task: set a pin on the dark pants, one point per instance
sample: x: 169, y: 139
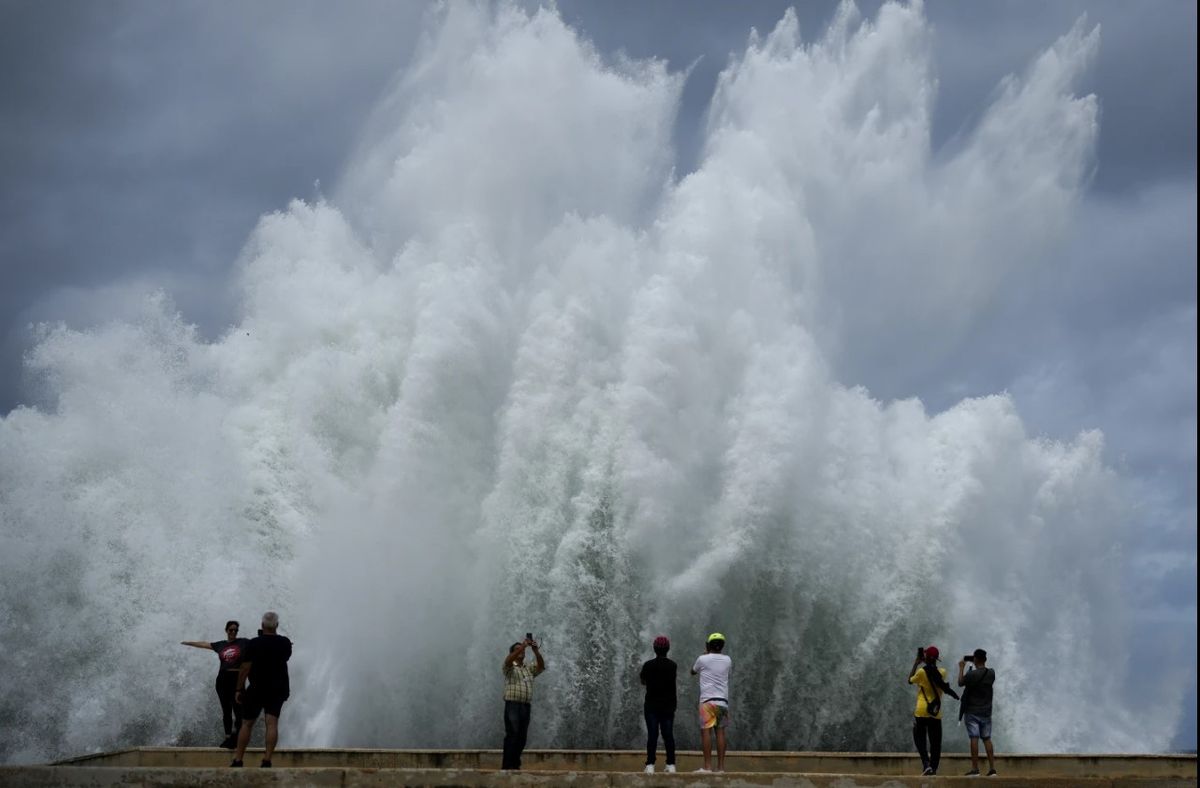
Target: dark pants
x: 516, y: 727
x: 231, y: 714
x: 654, y: 721
x: 933, y: 727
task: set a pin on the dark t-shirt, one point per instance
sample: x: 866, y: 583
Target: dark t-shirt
x: 977, y: 692
x: 268, y: 656
x: 659, y: 676
x: 230, y: 652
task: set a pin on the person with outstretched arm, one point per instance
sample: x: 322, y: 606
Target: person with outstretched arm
x: 229, y: 652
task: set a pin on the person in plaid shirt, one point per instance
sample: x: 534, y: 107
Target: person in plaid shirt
x: 518, y: 695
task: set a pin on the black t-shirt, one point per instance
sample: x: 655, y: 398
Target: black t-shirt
x: 977, y: 692
x: 230, y: 652
x: 658, y: 675
x: 268, y: 656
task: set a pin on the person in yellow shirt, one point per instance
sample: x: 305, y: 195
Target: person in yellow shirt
x: 927, y: 718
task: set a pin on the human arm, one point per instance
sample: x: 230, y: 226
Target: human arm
x: 939, y: 681
x: 912, y: 672
x: 962, y: 682
x: 204, y: 644
x: 514, y: 655
x: 243, y: 672
x: 537, y: 654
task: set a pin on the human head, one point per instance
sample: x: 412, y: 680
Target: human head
x: 716, y: 642
x: 980, y: 657
x: 932, y: 654
x: 270, y: 621
x: 232, y: 625
x: 662, y: 644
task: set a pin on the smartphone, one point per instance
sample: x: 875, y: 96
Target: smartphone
x: 969, y: 658
x: 920, y: 652
x: 529, y: 636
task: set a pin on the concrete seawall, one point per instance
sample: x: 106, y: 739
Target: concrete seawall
x: 170, y: 766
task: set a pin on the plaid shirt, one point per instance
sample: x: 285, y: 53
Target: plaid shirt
x: 518, y: 682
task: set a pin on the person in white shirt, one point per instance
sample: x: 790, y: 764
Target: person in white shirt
x: 713, y: 668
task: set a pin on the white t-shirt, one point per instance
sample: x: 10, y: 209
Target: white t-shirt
x: 713, y: 670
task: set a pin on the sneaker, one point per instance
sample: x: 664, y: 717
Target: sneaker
x: 230, y: 742
x: 670, y: 768
x: 991, y: 773
x: 265, y: 764
x: 702, y: 770
x: 972, y: 773
x: 928, y: 770
x: 235, y: 765
x: 649, y: 768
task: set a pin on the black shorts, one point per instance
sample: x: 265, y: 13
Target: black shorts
x: 255, y: 702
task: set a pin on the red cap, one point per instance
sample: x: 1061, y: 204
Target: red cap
x: 662, y: 641
x: 931, y: 652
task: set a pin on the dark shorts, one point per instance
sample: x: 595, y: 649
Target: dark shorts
x: 254, y: 702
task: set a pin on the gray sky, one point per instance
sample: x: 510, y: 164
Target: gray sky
x: 140, y: 142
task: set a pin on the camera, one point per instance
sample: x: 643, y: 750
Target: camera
x: 969, y: 658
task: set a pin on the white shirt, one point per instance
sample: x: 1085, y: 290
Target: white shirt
x: 713, y: 670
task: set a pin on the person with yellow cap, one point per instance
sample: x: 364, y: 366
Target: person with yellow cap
x: 713, y: 668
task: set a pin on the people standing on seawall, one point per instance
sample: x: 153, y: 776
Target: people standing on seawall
x: 229, y: 651
x: 518, y: 698
x: 976, y: 708
x: 658, y: 675
x: 713, y: 668
x: 265, y: 665
x: 927, y: 718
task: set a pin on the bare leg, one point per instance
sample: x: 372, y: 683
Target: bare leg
x: 987, y: 745
x: 720, y: 749
x: 974, y: 753
x: 243, y: 739
x: 706, y: 744
x: 272, y: 736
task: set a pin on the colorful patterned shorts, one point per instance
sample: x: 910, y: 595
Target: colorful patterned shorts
x: 713, y: 715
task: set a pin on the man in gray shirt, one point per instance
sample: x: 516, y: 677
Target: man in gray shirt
x: 976, y: 707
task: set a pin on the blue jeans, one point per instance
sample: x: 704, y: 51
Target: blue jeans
x: 978, y: 727
x: 516, y: 727
x: 665, y: 721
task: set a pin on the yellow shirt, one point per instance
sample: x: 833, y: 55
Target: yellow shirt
x: 925, y: 691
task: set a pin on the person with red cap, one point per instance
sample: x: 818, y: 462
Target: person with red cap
x: 927, y: 718
x: 658, y: 675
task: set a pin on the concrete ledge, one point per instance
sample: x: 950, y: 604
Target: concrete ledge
x: 151, y: 777
x: 630, y: 762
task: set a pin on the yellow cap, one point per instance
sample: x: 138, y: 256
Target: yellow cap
x: 715, y: 636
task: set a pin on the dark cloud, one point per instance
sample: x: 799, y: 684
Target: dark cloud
x: 141, y: 142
